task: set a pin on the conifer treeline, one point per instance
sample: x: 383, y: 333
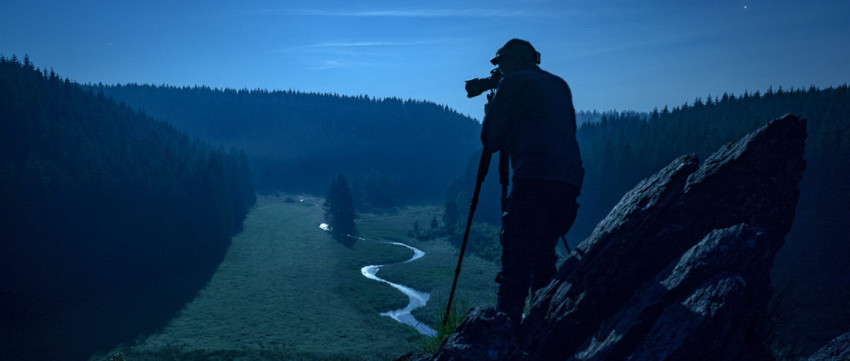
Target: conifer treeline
x: 111, y: 221
x: 620, y: 151
x: 392, y: 150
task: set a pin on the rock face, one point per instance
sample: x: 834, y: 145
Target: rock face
x: 679, y: 269
x: 483, y: 335
x: 837, y: 350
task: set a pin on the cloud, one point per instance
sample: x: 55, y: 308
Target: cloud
x: 419, y: 13
x: 362, y: 47
x: 357, y: 54
x: 328, y: 64
x: 359, y: 44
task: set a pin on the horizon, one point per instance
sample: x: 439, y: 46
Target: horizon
x: 618, y: 56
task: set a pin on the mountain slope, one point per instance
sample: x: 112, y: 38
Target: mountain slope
x: 408, y: 150
x: 111, y: 221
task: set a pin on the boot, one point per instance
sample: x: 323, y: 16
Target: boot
x: 512, y: 306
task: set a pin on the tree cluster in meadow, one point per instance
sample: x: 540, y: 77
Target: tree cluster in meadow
x: 340, y: 212
x: 111, y: 220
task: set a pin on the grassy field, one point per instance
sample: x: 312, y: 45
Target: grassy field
x: 287, y: 291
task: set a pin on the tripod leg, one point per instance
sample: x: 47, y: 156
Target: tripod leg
x: 483, y: 166
x: 564, y: 238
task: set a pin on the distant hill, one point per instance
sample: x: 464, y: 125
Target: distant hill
x: 391, y: 150
x: 110, y: 221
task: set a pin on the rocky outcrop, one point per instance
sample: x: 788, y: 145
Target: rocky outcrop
x: 704, y: 302
x: 483, y: 335
x: 679, y: 270
x: 837, y: 350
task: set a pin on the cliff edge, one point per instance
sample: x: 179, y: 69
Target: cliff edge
x: 678, y: 270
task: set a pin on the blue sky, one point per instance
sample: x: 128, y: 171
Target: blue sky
x: 624, y: 55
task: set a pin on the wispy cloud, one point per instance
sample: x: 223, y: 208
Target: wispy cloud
x: 418, y: 13
x: 361, y: 44
x: 356, y: 53
x: 328, y: 64
x: 362, y: 47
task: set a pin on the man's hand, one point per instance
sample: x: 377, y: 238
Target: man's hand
x: 489, y: 100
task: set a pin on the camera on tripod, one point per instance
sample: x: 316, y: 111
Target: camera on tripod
x: 474, y: 87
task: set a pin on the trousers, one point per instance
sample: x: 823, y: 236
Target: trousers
x: 536, y: 214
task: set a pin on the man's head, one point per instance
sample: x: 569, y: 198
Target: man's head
x: 516, y: 54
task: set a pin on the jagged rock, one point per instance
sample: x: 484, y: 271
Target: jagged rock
x: 679, y: 270
x: 678, y: 310
x: 837, y: 350
x: 568, y: 310
x: 752, y: 181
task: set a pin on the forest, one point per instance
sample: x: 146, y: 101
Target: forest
x: 111, y: 220
x: 811, y: 302
x: 393, y: 151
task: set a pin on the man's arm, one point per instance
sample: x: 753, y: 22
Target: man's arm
x: 494, y: 129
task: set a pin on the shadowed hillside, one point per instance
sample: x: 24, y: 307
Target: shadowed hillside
x: 111, y: 221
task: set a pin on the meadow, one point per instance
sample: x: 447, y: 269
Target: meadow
x: 287, y: 290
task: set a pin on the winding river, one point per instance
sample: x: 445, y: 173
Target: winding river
x: 417, y: 299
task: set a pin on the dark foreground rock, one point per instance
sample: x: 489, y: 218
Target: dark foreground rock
x: 837, y: 350
x: 679, y: 270
x: 483, y: 335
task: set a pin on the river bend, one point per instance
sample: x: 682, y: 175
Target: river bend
x: 417, y: 299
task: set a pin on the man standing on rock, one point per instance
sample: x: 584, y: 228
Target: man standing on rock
x: 531, y: 119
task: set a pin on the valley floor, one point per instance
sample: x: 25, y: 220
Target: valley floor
x: 287, y: 290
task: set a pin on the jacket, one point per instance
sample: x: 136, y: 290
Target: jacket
x: 532, y: 118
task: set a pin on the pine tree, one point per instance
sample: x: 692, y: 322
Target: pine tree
x: 339, y: 208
